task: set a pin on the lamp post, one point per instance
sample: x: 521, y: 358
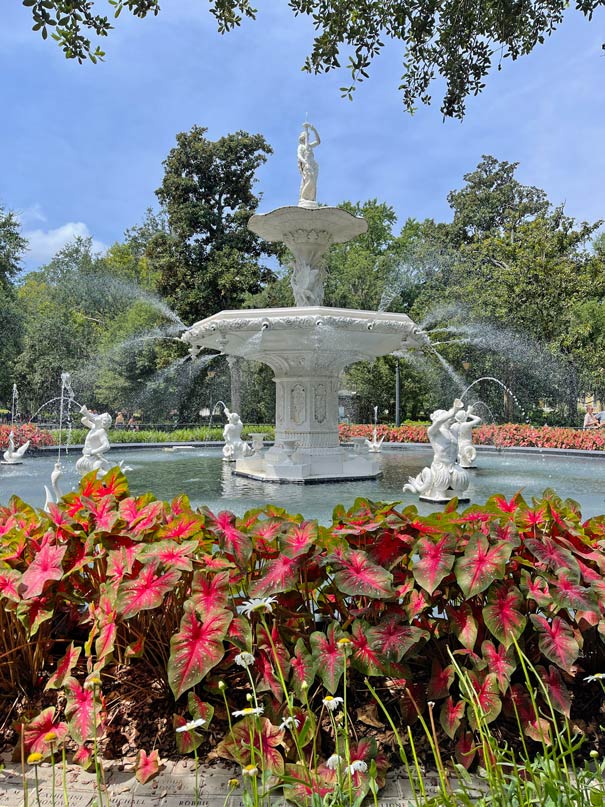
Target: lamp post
x: 397, y: 412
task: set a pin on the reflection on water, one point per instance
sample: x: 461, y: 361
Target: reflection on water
x: 206, y: 479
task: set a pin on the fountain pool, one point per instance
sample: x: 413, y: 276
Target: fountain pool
x: 202, y: 475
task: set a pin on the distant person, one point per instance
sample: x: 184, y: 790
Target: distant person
x: 591, y: 421
x: 133, y: 425
x: 119, y: 422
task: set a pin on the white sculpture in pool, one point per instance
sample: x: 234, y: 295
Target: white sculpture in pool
x: 53, y: 494
x: 12, y: 455
x: 466, y: 420
x: 96, y: 444
x: 235, y: 448
x: 445, y: 478
x: 307, y: 347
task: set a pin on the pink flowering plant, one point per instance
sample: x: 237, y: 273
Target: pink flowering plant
x: 24, y: 432
x: 257, y: 625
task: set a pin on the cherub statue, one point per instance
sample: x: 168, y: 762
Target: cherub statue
x: 96, y: 444
x: 463, y: 426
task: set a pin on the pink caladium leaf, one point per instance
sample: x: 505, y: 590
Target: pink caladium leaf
x: 357, y: 575
x: 45, y: 566
x: 210, y: 592
x: 463, y: 624
x: 9, y: 582
x: 554, y: 556
x: 278, y: 575
x: 436, y: 561
x: 503, y: 615
x: 148, y: 519
x: 32, y: 613
x: 35, y: 732
x: 299, y: 539
x: 171, y: 554
x: 187, y: 740
x: 487, y: 696
x: 266, y: 739
x: 303, y: 667
x: 233, y: 542
x: 329, y: 656
x: 64, y: 668
x: 466, y: 749
x: 365, y: 656
x: 84, y: 756
x: 440, y: 681
x: 83, y: 709
x: 535, y: 589
x: 114, y: 483
x: 394, y: 639
x: 557, y: 641
x: 184, y: 526
x: 558, y: 694
x: 567, y: 593
x: 105, y: 642
x: 450, y: 716
x: 199, y: 709
x: 104, y: 515
x: 390, y: 548
x: 197, y: 647
x: 240, y: 632
x: 145, y: 591
x: 146, y: 766
x: 500, y: 661
x: 481, y: 564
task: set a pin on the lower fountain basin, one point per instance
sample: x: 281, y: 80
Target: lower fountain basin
x: 307, y: 348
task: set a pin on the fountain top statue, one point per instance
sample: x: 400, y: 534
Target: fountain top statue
x: 307, y: 165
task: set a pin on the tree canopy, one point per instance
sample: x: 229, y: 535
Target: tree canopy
x: 457, y: 42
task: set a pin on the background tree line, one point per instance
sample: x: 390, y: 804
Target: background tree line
x: 511, y: 287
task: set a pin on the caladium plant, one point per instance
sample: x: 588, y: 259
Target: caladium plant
x: 382, y: 593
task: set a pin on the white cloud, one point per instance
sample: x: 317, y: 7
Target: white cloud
x: 44, y: 244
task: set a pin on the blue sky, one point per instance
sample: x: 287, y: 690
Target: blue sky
x: 81, y: 147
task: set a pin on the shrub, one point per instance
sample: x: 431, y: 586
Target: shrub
x: 507, y: 435
x: 382, y: 594
x: 23, y: 433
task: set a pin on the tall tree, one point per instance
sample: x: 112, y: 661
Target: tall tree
x: 12, y: 247
x: 457, y: 42
x: 209, y: 260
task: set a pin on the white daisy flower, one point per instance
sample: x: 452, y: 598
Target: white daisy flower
x: 249, y: 710
x: 193, y: 724
x: 356, y: 766
x: 334, y: 762
x: 331, y: 703
x: 290, y: 723
x: 595, y: 677
x: 250, y: 770
x: 258, y: 604
x: 244, y: 659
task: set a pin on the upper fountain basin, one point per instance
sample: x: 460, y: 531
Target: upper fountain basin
x: 331, y: 225
x: 305, y: 338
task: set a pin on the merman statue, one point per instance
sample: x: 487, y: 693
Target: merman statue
x: 463, y: 427
x: 96, y: 444
x: 445, y: 478
x: 234, y: 447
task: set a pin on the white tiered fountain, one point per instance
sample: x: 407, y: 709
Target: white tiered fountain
x: 307, y: 346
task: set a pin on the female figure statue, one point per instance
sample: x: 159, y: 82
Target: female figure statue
x: 96, y: 443
x: 308, y: 167
x: 445, y: 478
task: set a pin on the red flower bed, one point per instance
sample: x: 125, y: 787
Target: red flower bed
x: 506, y: 435
x: 203, y: 604
x: 23, y: 433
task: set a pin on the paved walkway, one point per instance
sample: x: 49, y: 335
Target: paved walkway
x: 173, y: 787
